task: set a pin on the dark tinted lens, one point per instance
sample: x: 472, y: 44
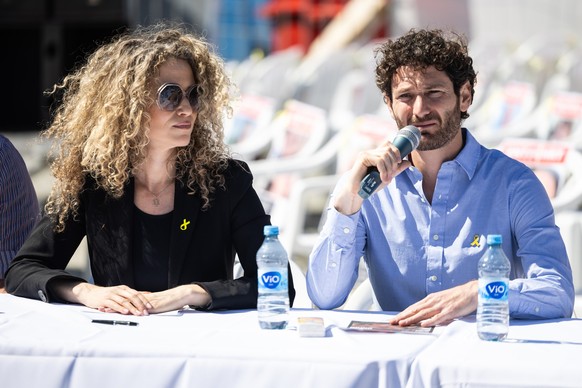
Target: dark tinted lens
x: 169, y: 97
x: 193, y: 97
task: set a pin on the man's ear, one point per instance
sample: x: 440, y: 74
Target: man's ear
x: 389, y: 105
x: 466, y: 96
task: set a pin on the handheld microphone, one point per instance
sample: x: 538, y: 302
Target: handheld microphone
x: 406, y: 140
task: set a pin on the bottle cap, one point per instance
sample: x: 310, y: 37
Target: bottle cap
x: 271, y: 230
x: 494, y: 239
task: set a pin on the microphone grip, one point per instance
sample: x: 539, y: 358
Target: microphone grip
x: 404, y: 145
x: 370, y: 183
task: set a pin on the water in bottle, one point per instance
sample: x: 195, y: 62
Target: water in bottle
x: 273, y: 301
x: 493, y: 308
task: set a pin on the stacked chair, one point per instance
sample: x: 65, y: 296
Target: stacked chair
x: 516, y: 88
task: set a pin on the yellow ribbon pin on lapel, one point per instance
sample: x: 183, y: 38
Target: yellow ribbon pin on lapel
x: 475, y: 242
x: 185, y: 224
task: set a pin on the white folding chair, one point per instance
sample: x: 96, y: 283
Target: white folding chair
x: 517, y: 88
x: 248, y: 132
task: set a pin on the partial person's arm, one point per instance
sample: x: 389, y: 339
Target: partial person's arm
x: 19, y: 208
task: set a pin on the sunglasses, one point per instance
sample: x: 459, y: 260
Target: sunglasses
x: 170, y: 96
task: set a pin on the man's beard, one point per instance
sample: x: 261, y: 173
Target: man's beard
x: 448, y: 128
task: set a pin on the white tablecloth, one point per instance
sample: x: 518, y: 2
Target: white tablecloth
x: 48, y: 345
x: 535, y: 354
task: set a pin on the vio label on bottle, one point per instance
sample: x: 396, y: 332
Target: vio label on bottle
x: 495, y: 290
x: 271, y: 279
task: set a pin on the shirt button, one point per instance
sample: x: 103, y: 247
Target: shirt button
x: 435, y: 237
x: 333, y: 264
x: 433, y: 278
x: 346, y: 230
x: 537, y: 309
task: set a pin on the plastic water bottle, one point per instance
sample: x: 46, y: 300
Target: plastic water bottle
x: 493, y: 308
x: 273, y: 301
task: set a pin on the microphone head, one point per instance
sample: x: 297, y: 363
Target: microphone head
x: 407, y: 139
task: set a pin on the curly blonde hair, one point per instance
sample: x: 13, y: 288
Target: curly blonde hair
x: 101, y: 126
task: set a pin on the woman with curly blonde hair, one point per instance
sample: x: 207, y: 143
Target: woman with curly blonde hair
x: 142, y: 171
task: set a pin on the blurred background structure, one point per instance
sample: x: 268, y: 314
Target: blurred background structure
x: 308, y: 100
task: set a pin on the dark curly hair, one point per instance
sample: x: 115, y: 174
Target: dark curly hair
x: 420, y: 49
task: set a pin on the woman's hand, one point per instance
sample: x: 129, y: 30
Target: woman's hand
x: 178, y: 297
x: 174, y: 299
x: 125, y: 300
x: 118, y: 299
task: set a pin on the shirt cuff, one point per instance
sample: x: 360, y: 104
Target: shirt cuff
x: 341, y: 228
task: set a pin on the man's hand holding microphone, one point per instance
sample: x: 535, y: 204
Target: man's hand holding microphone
x: 376, y: 168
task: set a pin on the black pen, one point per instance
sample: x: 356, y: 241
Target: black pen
x: 108, y: 322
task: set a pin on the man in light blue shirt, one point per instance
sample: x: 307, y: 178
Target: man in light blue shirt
x: 423, y: 231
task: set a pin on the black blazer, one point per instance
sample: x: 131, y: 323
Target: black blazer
x: 203, y: 243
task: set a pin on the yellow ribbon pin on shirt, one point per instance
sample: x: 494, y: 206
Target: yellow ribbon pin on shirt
x: 475, y: 242
x: 185, y: 224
